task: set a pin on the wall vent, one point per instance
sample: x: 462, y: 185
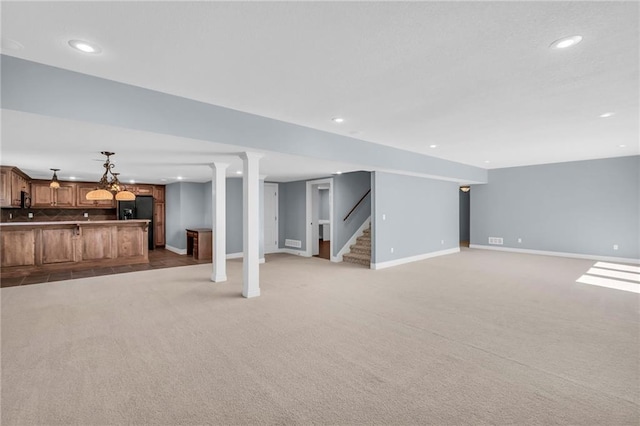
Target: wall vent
x: 496, y: 240
x: 293, y: 243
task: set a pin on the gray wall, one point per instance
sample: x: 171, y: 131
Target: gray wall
x: 292, y: 207
x: 420, y: 213
x: 464, y: 213
x: 582, y: 207
x: 185, y: 207
x: 190, y: 205
x: 234, y: 215
x: 348, y: 188
x: 173, y: 222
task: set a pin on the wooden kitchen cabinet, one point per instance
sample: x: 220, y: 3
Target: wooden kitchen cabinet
x: 158, y: 193
x: 142, y: 189
x: 43, y: 196
x: 12, y: 182
x: 159, y: 224
x: 83, y: 189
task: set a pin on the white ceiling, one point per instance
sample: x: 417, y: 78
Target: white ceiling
x: 476, y: 78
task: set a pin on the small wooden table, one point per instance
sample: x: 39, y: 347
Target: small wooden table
x: 200, y: 243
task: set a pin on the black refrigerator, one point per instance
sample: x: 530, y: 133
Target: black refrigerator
x: 140, y: 208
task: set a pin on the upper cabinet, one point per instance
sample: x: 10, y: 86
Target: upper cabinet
x: 44, y: 196
x: 70, y: 194
x: 12, y: 182
x: 158, y: 193
x: 81, y: 201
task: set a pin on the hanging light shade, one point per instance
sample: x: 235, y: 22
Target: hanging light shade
x: 55, y: 184
x: 107, y: 186
x: 125, y: 196
x: 99, y: 195
x: 465, y: 188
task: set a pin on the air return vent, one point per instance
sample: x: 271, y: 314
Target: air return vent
x: 496, y: 240
x: 293, y: 243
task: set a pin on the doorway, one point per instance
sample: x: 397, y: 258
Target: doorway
x: 465, y: 217
x: 319, y: 215
x: 270, y: 217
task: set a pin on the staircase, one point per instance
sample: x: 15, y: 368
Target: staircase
x: 360, y: 252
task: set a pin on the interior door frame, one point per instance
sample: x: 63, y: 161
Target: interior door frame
x: 309, y: 215
x: 277, y: 223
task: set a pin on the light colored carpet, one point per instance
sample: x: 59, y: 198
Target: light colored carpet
x: 473, y: 338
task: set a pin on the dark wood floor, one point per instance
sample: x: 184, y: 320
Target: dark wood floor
x: 158, y: 258
x: 325, y: 250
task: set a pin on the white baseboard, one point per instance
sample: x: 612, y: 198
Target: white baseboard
x: 557, y: 253
x: 352, y: 240
x: 390, y: 263
x: 240, y: 256
x: 229, y: 256
x: 293, y: 252
x: 175, y: 250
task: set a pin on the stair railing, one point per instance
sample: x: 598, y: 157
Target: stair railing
x: 356, y: 206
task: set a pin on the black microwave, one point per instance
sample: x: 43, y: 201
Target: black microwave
x: 25, y: 200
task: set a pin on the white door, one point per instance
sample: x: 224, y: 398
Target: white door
x: 315, y: 220
x: 270, y: 217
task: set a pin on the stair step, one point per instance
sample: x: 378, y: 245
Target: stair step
x: 360, y: 259
x: 360, y: 249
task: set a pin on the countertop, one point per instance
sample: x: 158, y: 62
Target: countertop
x: 74, y: 222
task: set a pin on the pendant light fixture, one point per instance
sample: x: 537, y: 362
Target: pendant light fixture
x: 465, y: 188
x: 55, y: 184
x: 109, y: 184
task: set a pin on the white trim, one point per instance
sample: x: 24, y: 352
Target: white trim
x: 219, y: 220
x: 176, y: 250
x: 308, y: 226
x: 556, y: 253
x: 410, y: 259
x: 252, y: 293
x: 251, y: 223
x: 277, y: 213
x: 353, y: 239
x: 293, y: 252
x: 240, y: 255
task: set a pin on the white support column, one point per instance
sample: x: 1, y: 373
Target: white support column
x: 219, y: 221
x: 251, y: 224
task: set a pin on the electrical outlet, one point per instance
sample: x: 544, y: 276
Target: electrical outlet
x: 615, y: 247
x: 30, y: 215
x: 10, y: 215
x: 86, y: 214
x: 384, y: 216
x: 391, y: 249
x: 519, y: 240
x: 441, y: 241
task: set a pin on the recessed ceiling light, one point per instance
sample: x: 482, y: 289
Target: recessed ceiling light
x: 239, y: 172
x: 622, y: 146
x: 433, y: 146
x: 163, y: 180
x: 338, y: 172
x: 565, y: 42
x: 85, y: 46
x: 72, y: 177
x: 487, y: 161
x: 179, y: 178
x: 132, y: 181
x: 337, y: 120
x: 606, y: 115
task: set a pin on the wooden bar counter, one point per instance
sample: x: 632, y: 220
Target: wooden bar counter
x: 31, y: 246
